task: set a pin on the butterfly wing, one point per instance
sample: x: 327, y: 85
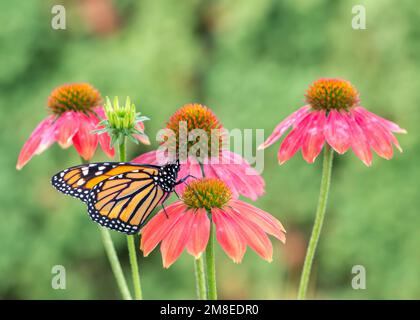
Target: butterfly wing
x: 123, y: 202
x: 79, y: 180
x: 119, y: 196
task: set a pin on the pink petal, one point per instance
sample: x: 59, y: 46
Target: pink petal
x: 261, y: 218
x: 395, y: 142
x: 388, y: 125
x: 39, y: 140
x: 200, y: 232
x: 358, y: 140
x: 294, y: 140
x: 314, y: 137
x: 213, y: 170
x: 100, y: 113
x: 391, y: 126
x: 229, y: 235
x: 104, y: 138
x: 159, y: 226
x: 254, y: 235
x: 143, y: 138
x: 281, y: 128
x: 147, y: 158
x: 67, y: 125
x: 247, y: 180
x: 105, y: 143
x: 176, y: 240
x: 189, y: 167
x: 379, y: 138
x: 85, y: 142
x: 337, y: 132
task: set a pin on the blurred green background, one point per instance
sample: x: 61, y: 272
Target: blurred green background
x: 251, y: 62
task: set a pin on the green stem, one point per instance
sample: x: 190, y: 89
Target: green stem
x: 134, y: 267
x: 319, y: 219
x: 122, y: 151
x: 200, y: 278
x: 113, y: 260
x: 211, y: 266
x: 130, y: 242
x: 205, y: 274
x: 115, y: 263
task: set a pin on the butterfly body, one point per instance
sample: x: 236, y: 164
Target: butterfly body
x: 119, y: 195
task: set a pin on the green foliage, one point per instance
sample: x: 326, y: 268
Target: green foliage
x: 250, y: 61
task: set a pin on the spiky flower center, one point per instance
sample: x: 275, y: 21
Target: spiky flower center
x: 206, y: 193
x: 329, y: 93
x: 192, y: 117
x: 79, y: 97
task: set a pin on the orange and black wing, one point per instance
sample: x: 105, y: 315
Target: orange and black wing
x: 79, y: 180
x: 124, y: 201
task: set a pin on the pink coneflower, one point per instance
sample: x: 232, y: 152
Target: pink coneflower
x: 75, y: 112
x: 228, y: 166
x: 187, y: 224
x: 333, y: 114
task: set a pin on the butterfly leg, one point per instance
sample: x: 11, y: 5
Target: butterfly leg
x: 164, y: 210
x: 163, y: 202
x: 184, y: 179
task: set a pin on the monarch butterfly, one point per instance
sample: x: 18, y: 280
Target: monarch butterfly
x: 119, y: 195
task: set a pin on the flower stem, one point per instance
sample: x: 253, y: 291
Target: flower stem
x: 113, y: 260
x: 130, y: 242
x: 319, y: 218
x: 200, y: 278
x: 115, y: 263
x: 134, y: 268
x: 211, y: 266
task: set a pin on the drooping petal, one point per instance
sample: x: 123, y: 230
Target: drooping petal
x: 104, y: 138
x: 147, y: 158
x: 395, y: 142
x: 246, y: 179
x: 85, y: 141
x: 200, y: 232
x: 388, y: 125
x: 143, y: 138
x: 174, y: 243
x: 263, y: 219
x: 378, y: 137
x: 158, y: 227
x: 393, y: 127
x: 39, y: 140
x: 229, y: 235
x: 314, y: 138
x: 337, y: 132
x: 215, y: 170
x: 293, y: 141
x: 105, y: 143
x: 67, y: 125
x: 281, y: 128
x: 254, y: 235
x: 359, y: 143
